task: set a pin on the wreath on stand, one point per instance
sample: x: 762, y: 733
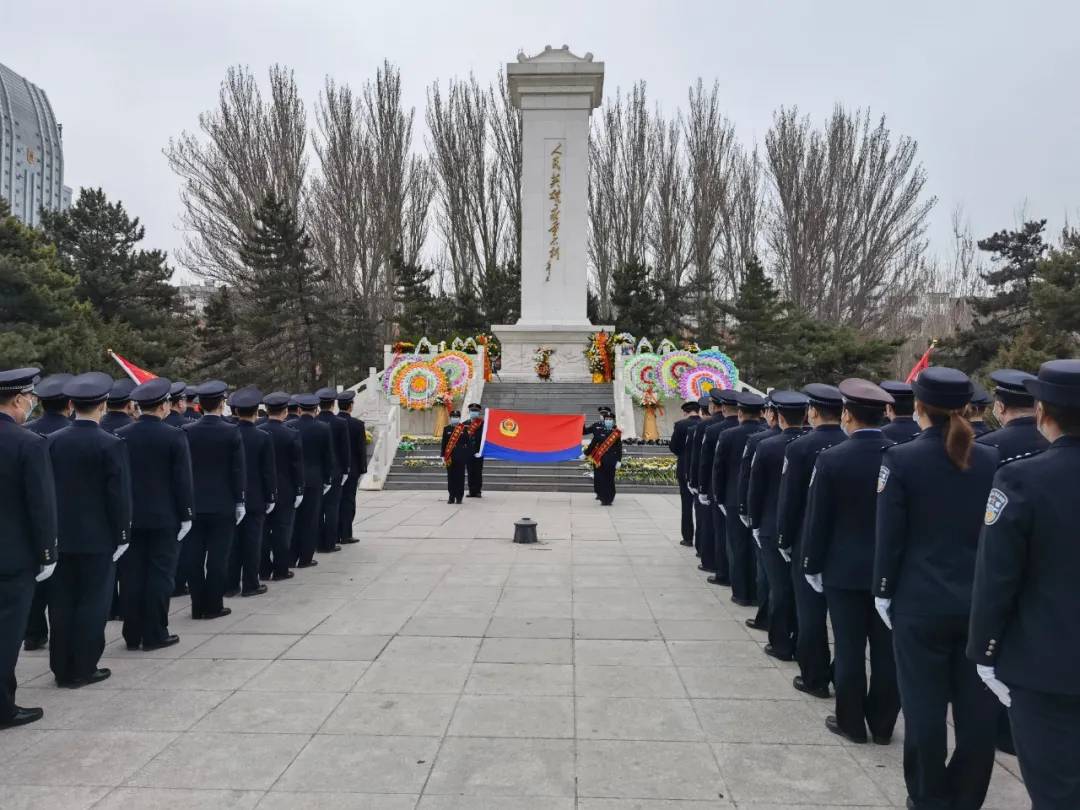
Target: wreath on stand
x: 542, y: 362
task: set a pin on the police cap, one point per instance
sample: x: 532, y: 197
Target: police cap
x: 455, y: 413
x: 19, y: 380
x: 822, y: 395
x: 750, y: 401
x: 703, y: 402
x: 943, y: 387
x: 899, y: 391
x: 326, y: 394
x: 475, y: 406
x: 211, y: 389
x: 121, y: 391
x: 1009, y: 387
x: 52, y: 387
x: 345, y: 397
x: 1058, y: 383
x: 788, y: 399
x: 244, y: 398
x: 980, y: 398
x: 306, y: 401
x: 692, y: 405
x: 177, y: 390
x: 152, y: 393
x: 723, y: 396
x: 863, y: 392
x: 89, y: 388
x: 276, y: 399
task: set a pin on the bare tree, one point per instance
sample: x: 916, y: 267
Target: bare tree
x: 740, y: 220
x: 666, y: 221
x: 506, y: 136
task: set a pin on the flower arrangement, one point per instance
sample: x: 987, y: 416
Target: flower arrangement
x: 457, y: 344
x: 717, y: 359
x: 469, y: 345
x: 641, y: 374
x: 624, y: 342
x: 494, y: 350
x: 398, y: 362
x: 403, y: 346
x: 457, y: 367
x: 699, y: 381
x: 650, y: 470
x: 644, y: 346
x: 419, y: 385
x: 423, y: 346
x: 649, y: 399
x: 691, y: 346
x: 600, y: 356
x: 542, y: 362
x: 673, y: 366
x: 666, y: 346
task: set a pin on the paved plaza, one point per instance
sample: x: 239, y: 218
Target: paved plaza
x: 437, y: 666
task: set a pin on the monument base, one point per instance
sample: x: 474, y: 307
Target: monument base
x: 519, y: 343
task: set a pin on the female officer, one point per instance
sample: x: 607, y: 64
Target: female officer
x: 932, y: 495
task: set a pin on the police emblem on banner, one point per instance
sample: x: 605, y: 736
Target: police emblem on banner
x: 995, y: 505
x: 882, y: 478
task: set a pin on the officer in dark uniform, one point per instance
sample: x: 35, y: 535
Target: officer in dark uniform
x: 932, y: 495
x: 1014, y: 408
x: 762, y: 500
x: 976, y: 409
x: 704, y: 543
x: 319, y: 465
x: 606, y: 459
x: 1024, y: 636
x: 714, y: 554
x: 120, y: 410
x: 220, y: 473
x: 742, y: 563
x: 292, y: 411
x: 328, y: 538
x: 760, y: 620
x: 456, y: 452
x: 289, y: 466
x: 191, y: 410
x: 260, y: 496
x: 901, y: 426
x: 592, y: 431
x: 357, y: 466
x: 838, y: 560
x: 677, y: 445
x: 90, y: 468
x: 475, y: 467
x: 162, y: 514
x: 27, y: 529
x: 56, y: 410
x: 177, y: 415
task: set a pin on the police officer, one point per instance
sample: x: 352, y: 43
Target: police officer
x: 90, y: 468
x: 328, y: 537
x: 901, y: 426
x: 220, y: 474
x: 593, y: 431
x: 762, y: 501
x: 456, y: 451
x: 606, y: 459
x: 177, y: 415
x: 932, y: 495
x: 976, y: 409
x: 292, y: 411
x: 120, y: 409
x: 677, y: 445
x: 714, y: 553
x: 162, y: 514
x: 1014, y: 409
x: 357, y: 466
x: 475, y: 467
x: 1025, y: 585
x: 812, y: 647
x: 56, y: 410
x: 742, y: 564
x: 704, y: 542
x: 289, y: 466
x: 838, y: 560
x: 27, y: 529
x: 260, y: 496
x: 317, y: 441
x: 191, y: 409
x: 760, y: 620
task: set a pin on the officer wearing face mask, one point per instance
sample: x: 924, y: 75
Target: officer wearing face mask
x: 475, y: 467
x: 1014, y: 408
x: 606, y: 459
x: 456, y: 451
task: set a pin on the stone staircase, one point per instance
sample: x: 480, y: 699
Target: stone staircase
x: 549, y: 397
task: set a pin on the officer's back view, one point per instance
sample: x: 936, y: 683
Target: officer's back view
x: 289, y: 468
x: 318, y: 446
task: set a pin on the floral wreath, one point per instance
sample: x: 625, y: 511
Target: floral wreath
x: 666, y: 346
x: 469, y: 345
x: 698, y: 382
x: 641, y: 374
x: 457, y: 344
x: 397, y: 363
x: 423, y: 346
x: 542, y: 362
x: 673, y: 366
x: 420, y: 385
x: 644, y: 346
x: 457, y: 368
x: 712, y: 357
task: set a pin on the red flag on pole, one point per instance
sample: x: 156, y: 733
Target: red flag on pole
x: 139, y: 375
x: 924, y: 362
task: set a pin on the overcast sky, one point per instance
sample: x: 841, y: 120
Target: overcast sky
x: 987, y: 88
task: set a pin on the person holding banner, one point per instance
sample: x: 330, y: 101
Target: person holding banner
x: 606, y: 458
x: 456, y: 451
x: 475, y: 467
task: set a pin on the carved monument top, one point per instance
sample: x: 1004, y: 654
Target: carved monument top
x: 556, y: 72
x: 550, y: 54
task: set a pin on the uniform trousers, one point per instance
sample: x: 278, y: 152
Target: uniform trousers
x: 455, y: 480
x: 37, y: 626
x: 277, y: 541
x: 718, y: 557
x: 246, y: 553
x: 1046, y: 731
x: 476, y: 476
x: 16, y: 594
x: 761, y: 585
x: 148, y: 568
x: 812, y: 644
x: 783, y: 622
x: 687, y: 498
x: 856, y: 623
x: 79, y: 604
x: 933, y: 672
x: 205, y: 559
x: 742, y: 567
x: 605, y: 483
x: 328, y: 522
x: 305, y: 533
x: 703, y: 533
x: 348, y: 508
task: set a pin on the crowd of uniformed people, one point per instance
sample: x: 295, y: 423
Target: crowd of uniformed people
x: 120, y: 497
x: 945, y: 555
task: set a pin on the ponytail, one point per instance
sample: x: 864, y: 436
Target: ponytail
x: 956, y: 433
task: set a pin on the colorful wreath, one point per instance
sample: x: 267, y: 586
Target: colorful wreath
x: 457, y: 367
x: 697, y: 382
x: 397, y: 363
x: 420, y: 385
x: 644, y: 346
x: 666, y: 347
x: 641, y: 374
x: 673, y: 366
x: 726, y: 363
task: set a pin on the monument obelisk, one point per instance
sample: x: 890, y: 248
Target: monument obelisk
x: 556, y: 91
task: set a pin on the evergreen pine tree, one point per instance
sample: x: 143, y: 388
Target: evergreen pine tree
x: 221, y: 355
x: 415, y: 301
x: 639, y: 309
x: 761, y: 346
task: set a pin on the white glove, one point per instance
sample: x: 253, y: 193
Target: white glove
x: 241, y: 511
x: 477, y: 455
x: 185, y: 527
x: 344, y: 478
x: 723, y: 509
x: 692, y: 490
x: 45, y: 572
x: 989, y: 677
x: 120, y: 549
x: 326, y: 488
x: 882, y: 606
x: 755, y: 532
x: 297, y: 501
x: 270, y: 507
x: 785, y: 554
x: 746, y: 522
x: 703, y: 499
x: 815, y: 582
x: 618, y: 464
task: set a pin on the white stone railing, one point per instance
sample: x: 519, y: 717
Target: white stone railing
x: 625, y: 413
x: 387, y: 438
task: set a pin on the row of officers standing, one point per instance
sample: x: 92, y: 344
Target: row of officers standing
x: 949, y: 550
x: 121, y: 496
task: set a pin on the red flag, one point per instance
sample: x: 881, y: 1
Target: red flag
x: 532, y: 438
x: 924, y: 362
x: 139, y: 375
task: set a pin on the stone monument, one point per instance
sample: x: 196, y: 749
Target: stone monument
x: 556, y: 91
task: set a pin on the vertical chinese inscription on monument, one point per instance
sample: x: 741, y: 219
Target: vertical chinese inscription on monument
x: 555, y: 209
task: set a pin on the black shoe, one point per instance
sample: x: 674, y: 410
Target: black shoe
x: 168, y: 641
x: 742, y: 602
x: 881, y: 740
x: 257, y: 592
x: 772, y: 652
x: 818, y: 692
x: 684, y: 543
x: 280, y: 577
x: 97, y: 676
x: 229, y: 594
x: 715, y: 580
x: 133, y: 646
x: 833, y: 725
x: 32, y: 644
x: 308, y: 564
x: 459, y: 500
x: 754, y: 624
x: 22, y: 717
x: 348, y: 541
x: 451, y: 500
x: 703, y: 568
x: 470, y: 495
x: 181, y: 591
x: 217, y: 614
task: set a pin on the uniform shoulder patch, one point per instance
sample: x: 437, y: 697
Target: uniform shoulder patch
x: 883, y: 478
x: 995, y: 505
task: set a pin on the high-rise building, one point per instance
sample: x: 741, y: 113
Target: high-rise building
x: 31, y: 150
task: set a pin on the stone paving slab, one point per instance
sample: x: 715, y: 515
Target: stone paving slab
x: 437, y: 666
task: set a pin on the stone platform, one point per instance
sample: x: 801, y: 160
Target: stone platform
x: 519, y: 343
